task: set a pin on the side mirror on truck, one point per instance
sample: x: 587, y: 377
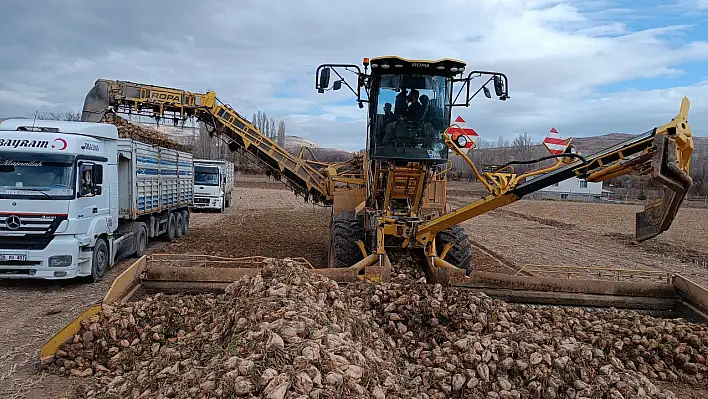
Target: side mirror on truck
x: 98, y: 174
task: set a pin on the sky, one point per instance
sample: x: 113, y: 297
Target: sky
x: 587, y: 67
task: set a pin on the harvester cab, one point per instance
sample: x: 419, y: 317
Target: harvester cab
x: 410, y: 103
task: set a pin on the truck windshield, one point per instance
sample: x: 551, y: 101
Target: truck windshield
x: 206, y: 176
x: 410, y: 117
x: 40, y: 176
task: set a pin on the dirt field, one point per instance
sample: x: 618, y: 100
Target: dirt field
x: 267, y: 219
x: 585, y: 234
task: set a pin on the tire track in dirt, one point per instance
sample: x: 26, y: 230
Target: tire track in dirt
x: 481, y: 259
x: 504, y: 264
x: 684, y: 254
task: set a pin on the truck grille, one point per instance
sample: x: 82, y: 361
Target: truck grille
x: 203, y: 201
x: 28, y: 231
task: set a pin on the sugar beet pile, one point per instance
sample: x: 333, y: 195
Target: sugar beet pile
x: 285, y: 333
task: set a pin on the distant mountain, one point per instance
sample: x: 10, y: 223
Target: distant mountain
x: 590, y: 145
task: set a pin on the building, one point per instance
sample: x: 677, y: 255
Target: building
x: 572, y: 189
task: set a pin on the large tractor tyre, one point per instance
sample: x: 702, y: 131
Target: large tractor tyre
x: 344, y: 234
x: 460, y: 255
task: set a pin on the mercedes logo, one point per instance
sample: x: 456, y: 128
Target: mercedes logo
x: 13, y: 222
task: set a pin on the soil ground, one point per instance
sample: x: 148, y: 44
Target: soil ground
x: 267, y: 219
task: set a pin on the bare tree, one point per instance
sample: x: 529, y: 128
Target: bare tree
x: 272, y: 130
x: 522, y: 146
x: 281, y: 134
x: 59, y: 116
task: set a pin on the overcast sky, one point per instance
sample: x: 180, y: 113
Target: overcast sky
x: 586, y: 67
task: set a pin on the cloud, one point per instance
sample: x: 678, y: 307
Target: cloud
x: 563, y: 58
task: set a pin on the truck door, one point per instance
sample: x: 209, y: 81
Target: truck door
x: 91, y: 200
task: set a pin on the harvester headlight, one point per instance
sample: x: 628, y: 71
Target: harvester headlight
x: 438, y: 147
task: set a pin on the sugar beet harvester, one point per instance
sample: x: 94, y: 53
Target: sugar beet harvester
x: 393, y: 195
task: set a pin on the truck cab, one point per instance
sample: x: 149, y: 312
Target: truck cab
x: 75, y: 198
x: 55, y: 209
x: 213, y: 183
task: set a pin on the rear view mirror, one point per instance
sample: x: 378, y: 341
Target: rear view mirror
x: 98, y: 174
x: 486, y: 92
x: 337, y: 85
x: 498, y: 86
x: 324, y: 79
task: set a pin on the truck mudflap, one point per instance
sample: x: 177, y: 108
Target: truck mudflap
x: 665, y: 171
x: 172, y: 273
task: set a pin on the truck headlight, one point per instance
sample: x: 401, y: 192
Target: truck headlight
x: 60, y: 261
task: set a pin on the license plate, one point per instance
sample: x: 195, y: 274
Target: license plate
x: 12, y: 257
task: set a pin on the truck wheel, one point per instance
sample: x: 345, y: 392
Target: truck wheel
x: 178, y: 224
x: 99, y: 261
x: 460, y: 255
x: 185, y: 223
x: 344, y: 234
x: 171, y: 227
x: 141, y: 240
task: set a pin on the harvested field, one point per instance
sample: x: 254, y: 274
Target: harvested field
x: 587, y: 234
x: 267, y: 219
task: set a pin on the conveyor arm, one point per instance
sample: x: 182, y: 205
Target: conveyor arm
x: 664, y: 153
x: 162, y: 102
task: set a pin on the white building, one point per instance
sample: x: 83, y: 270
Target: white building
x: 572, y: 188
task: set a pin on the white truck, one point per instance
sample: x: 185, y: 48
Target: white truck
x: 213, y: 184
x: 75, y: 198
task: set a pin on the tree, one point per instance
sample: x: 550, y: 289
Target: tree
x: 522, y: 146
x: 281, y: 134
x: 59, y: 116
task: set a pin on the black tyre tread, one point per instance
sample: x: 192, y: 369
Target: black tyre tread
x: 185, y: 218
x: 94, y: 277
x: 460, y: 255
x: 178, y: 224
x: 345, y: 234
x: 142, y: 232
x: 171, y: 218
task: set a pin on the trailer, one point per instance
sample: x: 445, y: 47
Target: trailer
x: 75, y: 198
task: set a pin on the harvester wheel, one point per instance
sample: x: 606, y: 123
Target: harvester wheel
x: 460, y: 255
x: 344, y: 234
